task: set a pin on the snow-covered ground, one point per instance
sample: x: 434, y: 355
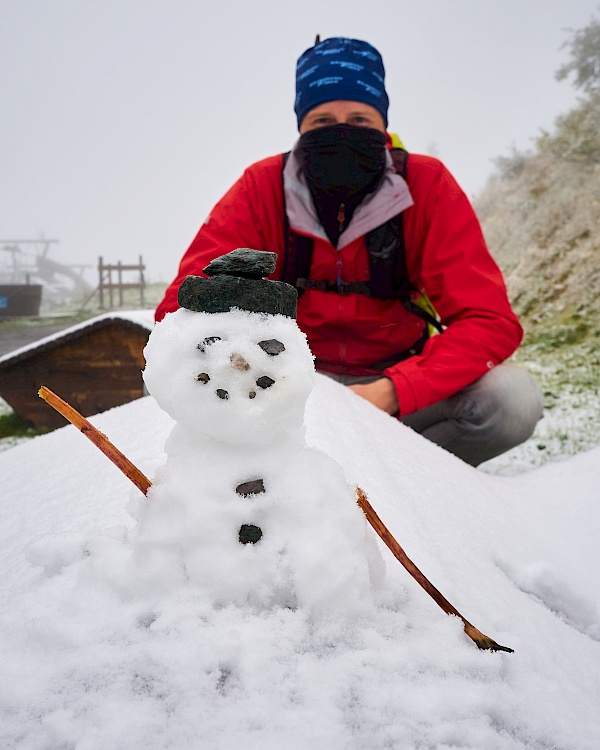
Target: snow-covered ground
x: 87, y: 665
x: 569, y: 426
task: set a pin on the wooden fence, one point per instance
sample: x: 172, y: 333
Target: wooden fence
x: 109, y: 285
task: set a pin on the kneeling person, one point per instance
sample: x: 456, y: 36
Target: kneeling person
x: 384, y: 249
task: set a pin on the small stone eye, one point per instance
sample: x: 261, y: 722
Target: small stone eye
x: 203, y: 377
x: 264, y: 382
x: 207, y: 342
x: 222, y: 394
x: 272, y: 347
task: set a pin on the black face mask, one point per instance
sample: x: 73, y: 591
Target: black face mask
x: 342, y: 164
x: 343, y: 160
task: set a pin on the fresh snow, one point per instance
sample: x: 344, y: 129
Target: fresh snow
x: 89, y: 662
x: 569, y: 426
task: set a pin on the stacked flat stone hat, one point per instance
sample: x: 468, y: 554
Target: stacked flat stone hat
x: 237, y: 280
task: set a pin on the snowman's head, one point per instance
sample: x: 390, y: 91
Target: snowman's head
x: 239, y: 377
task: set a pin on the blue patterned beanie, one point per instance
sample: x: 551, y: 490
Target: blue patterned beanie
x: 340, y: 68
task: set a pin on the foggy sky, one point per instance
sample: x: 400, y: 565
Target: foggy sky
x: 123, y: 122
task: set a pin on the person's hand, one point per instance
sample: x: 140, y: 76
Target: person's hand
x: 381, y: 393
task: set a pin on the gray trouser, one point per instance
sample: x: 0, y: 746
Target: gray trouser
x: 487, y: 418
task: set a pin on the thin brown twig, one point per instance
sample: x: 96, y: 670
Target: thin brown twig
x: 482, y: 641
x: 98, y: 438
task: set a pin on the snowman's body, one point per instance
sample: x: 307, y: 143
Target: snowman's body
x: 254, y: 514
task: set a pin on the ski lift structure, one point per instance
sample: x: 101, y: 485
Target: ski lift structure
x: 31, y: 280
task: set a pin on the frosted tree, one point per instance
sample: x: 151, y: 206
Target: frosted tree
x: 576, y: 135
x: 584, y: 48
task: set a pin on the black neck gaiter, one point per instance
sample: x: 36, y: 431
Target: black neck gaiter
x: 342, y: 164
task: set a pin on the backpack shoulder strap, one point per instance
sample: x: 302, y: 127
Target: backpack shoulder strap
x: 389, y: 274
x: 424, y: 309
x: 400, y: 160
x: 297, y: 248
x: 288, y: 262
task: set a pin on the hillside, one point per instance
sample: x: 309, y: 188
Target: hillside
x: 539, y: 214
x: 540, y: 217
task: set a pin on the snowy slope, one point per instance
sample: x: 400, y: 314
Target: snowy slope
x: 87, y: 666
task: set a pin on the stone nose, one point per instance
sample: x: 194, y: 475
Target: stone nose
x: 238, y: 362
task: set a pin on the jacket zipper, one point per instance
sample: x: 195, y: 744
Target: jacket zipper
x: 341, y: 218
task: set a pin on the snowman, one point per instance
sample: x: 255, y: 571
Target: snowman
x: 243, y: 509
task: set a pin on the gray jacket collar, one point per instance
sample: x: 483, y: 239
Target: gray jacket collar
x: 391, y: 198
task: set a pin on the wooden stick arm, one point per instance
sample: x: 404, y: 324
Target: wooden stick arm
x: 482, y: 641
x: 98, y: 438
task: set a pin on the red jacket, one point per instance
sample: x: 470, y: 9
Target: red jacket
x: 446, y: 257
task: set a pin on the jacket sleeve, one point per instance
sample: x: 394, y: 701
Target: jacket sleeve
x: 447, y: 255
x: 248, y: 215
